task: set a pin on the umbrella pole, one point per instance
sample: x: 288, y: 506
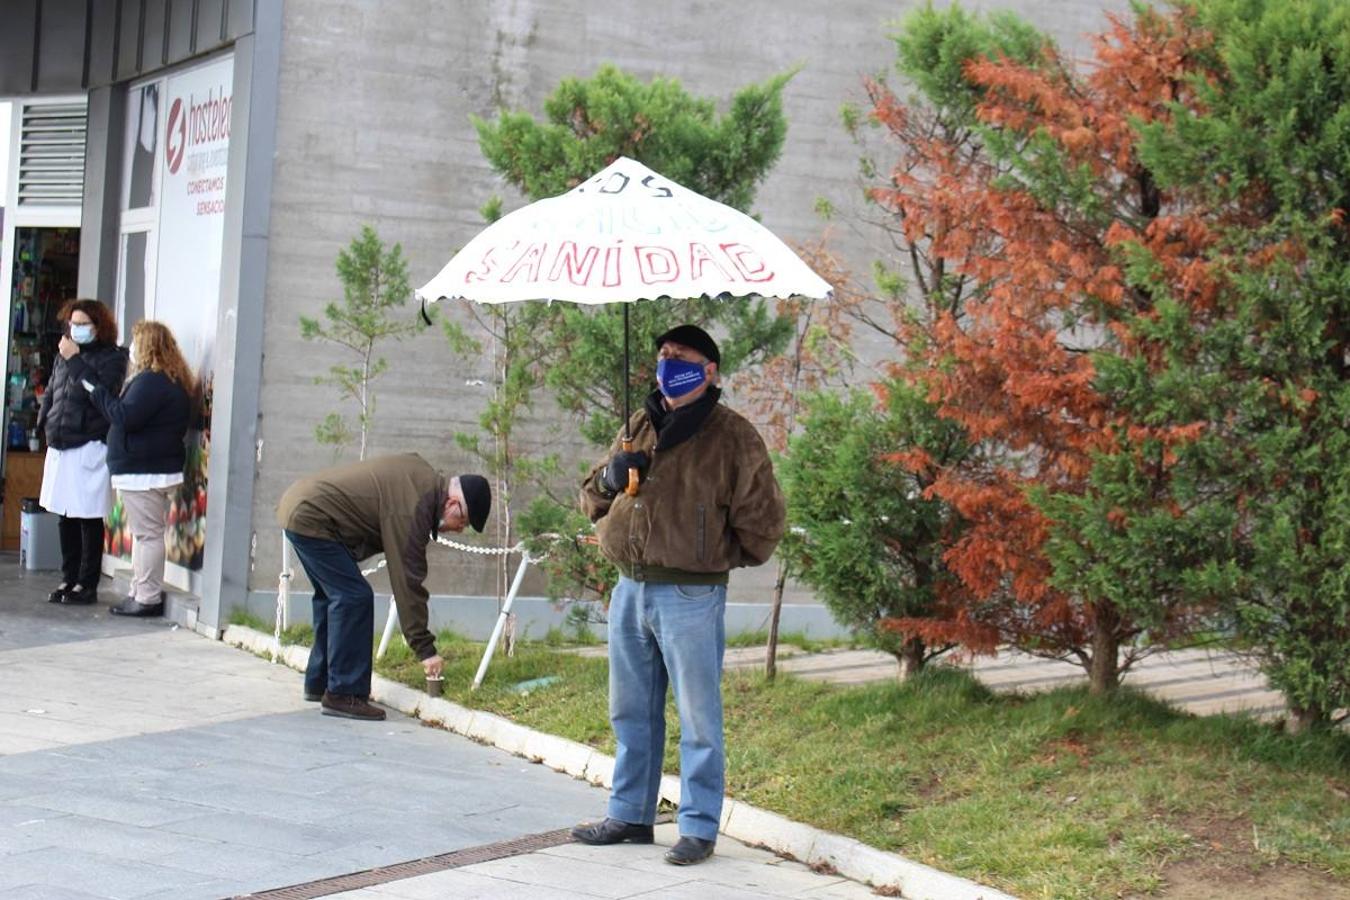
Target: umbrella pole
x: 627, y: 438
x: 627, y: 441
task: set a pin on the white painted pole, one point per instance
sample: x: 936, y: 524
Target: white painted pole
x: 501, y: 620
x: 390, y: 621
x: 283, y: 598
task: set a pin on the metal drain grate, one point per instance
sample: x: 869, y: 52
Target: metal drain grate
x: 398, y: 871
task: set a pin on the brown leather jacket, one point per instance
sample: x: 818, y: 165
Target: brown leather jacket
x: 708, y: 505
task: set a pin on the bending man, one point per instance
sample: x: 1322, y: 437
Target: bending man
x: 390, y: 504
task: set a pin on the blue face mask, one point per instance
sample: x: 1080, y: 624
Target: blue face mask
x: 676, y: 377
x: 81, y: 334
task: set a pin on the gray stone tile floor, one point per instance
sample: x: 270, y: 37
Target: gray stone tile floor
x: 142, y: 761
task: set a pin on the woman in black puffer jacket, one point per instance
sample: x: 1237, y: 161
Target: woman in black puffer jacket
x: 146, y: 454
x: 75, y: 481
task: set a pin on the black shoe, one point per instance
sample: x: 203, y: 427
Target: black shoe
x: 348, y: 706
x: 59, y: 595
x: 129, y: 607
x: 79, y: 595
x: 689, y: 850
x: 612, y: 831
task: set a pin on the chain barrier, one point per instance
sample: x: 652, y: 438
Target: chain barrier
x: 467, y: 548
x: 483, y: 551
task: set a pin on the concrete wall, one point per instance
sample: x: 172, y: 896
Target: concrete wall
x: 474, y: 617
x: 373, y: 128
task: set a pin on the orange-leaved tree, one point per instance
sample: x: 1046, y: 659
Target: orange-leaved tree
x: 1017, y: 174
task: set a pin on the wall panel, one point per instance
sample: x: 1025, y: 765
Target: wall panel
x: 17, y: 43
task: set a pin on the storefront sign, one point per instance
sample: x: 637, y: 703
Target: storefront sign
x: 187, y: 285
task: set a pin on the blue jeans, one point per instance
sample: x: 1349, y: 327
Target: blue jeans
x: 344, y: 618
x: 663, y: 634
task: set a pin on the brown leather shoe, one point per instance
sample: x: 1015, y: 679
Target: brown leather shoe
x: 349, y: 706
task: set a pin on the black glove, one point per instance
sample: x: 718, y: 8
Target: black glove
x: 615, y: 475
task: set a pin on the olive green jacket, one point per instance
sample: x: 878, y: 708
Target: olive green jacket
x: 388, y: 504
x: 707, y: 505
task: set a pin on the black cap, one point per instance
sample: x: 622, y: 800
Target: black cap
x: 695, y: 337
x: 477, y: 499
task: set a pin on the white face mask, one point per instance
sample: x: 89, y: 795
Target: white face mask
x: 82, y: 334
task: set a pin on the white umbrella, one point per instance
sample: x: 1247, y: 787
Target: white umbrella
x: 626, y: 234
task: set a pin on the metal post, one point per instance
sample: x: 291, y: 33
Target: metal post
x: 623, y: 385
x: 390, y: 621
x: 501, y: 620
x: 626, y: 440
x: 283, y: 597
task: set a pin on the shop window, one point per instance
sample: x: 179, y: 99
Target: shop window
x: 45, y: 270
x: 136, y: 272
x: 140, y: 184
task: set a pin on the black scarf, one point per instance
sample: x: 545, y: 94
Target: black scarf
x: 675, y: 426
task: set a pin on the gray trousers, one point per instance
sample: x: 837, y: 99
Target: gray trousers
x: 147, y: 515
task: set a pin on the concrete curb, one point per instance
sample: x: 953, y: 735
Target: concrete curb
x: 850, y: 858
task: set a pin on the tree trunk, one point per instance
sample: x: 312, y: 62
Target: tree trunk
x: 912, y: 650
x: 771, y: 650
x: 911, y: 658
x: 1104, y: 676
x: 365, y: 402
x: 1301, y: 720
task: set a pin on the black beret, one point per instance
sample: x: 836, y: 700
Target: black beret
x: 694, y: 337
x: 477, y: 499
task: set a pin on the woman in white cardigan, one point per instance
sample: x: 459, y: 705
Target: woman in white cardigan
x: 75, y: 480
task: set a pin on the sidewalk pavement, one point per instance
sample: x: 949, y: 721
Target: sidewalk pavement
x: 1202, y: 682
x: 1199, y: 681
x: 140, y: 760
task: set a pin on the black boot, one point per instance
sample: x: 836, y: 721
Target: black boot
x: 689, y: 850
x: 72, y: 552
x: 91, y: 553
x: 612, y: 831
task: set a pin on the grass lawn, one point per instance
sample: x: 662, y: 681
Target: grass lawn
x: 1050, y: 795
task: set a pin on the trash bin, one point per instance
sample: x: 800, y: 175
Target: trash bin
x: 39, y: 537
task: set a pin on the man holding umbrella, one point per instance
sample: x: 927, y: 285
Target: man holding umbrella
x: 708, y: 503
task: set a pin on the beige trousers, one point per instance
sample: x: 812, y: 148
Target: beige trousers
x: 147, y: 514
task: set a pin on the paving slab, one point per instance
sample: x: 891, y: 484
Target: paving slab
x: 733, y: 865
x: 47, y: 892
x: 113, y: 839
x: 92, y: 873
x: 460, y: 883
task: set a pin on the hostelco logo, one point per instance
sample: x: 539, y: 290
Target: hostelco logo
x: 194, y: 123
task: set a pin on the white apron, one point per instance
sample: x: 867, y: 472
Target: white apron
x: 75, y: 483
